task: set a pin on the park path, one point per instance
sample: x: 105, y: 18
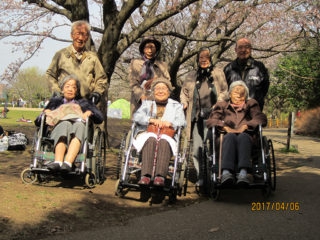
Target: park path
x: 234, y: 216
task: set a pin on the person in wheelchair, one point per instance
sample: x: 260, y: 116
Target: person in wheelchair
x: 67, y: 115
x: 159, y: 119
x: 238, y: 118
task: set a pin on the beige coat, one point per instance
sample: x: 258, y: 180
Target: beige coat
x: 187, y: 90
x: 89, y: 71
x: 160, y: 69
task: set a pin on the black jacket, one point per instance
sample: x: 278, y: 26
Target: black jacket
x: 255, y: 76
x: 85, y: 105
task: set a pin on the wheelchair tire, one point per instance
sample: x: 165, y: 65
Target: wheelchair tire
x: 270, y: 168
x: 272, y: 164
x: 99, y: 143
x: 119, y: 191
x: 173, y: 196
x: 90, y: 180
x: 28, y: 177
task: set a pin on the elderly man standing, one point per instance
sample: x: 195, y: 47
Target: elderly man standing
x: 249, y: 70
x: 79, y: 61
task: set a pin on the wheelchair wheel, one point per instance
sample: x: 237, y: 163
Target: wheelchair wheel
x: 119, y: 191
x: 29, y: 177
x: 271, y: 166
x: 99, y: 143
x: 90, y: 180
x: 172, y: 196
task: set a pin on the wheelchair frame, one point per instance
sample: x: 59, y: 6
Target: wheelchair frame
x: 91, y: 158
x: 265, y: 167
x: 127, y: 155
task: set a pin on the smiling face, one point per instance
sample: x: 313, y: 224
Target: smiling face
x: 238, y: 95
x: 204, y: 59
x: 161, y: 92
x: 70, y: 89
x: 243, y: 49
x: 149, y: 50
x: 79, y: 37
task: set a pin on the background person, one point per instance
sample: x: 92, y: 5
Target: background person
x: 64, y: 113
x: 163, y: 115
x: 239, y: 118
x: 200, y: 91
x: 249, y: 70
x: 143, y: 71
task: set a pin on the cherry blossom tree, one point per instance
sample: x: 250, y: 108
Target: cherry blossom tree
x: 183, y: 26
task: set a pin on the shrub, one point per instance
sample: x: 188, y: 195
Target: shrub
x: 308, y: 123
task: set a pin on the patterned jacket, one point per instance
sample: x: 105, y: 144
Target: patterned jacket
x: 255, y: 75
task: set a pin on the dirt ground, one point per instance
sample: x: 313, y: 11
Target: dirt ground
x: 60, y: 207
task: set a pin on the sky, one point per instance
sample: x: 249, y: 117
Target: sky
x: 41, y: 60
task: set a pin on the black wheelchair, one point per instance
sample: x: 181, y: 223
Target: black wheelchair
x: 263, y: 169
x: 89, y: 164
x: 129, y: 172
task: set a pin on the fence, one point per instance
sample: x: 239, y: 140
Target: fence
x: 278, y: 123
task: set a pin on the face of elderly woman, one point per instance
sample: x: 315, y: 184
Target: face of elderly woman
x: 70, y: 89
x: 161, y: 92
x: 204, y: 59
x: 238, y: 95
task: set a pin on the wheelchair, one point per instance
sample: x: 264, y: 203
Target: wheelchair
x: 129, y: 172
x: 89, y: 163
x: 263, y: 168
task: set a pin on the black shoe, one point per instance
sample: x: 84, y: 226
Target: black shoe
x: 65, y: 168
x: 53, y: 166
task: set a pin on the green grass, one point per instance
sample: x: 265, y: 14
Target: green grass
x: 292, y: 149
x: 15, y: 114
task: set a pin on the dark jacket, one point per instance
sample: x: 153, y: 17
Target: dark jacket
x: 255, y: 76
x: 85, y: 105
x: 224, y: 114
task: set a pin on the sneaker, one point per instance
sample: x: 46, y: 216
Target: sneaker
x: 65, y: 168
x: 53, y: 166
x: 158, y: 181
x: 227, y: 179
x: 244, y: 179
x: 144, y: 180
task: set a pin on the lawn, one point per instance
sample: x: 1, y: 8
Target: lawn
x: 17, y: 116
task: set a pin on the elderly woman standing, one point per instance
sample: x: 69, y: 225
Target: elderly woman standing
x: 239, y: 117
x: 200, y: 91
x: 162, y: 116
x: 143, y: 71
x: 67, y: 114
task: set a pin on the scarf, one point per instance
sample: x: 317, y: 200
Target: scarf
x: 147, y: 70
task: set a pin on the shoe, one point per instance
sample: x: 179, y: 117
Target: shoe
x: 144, y: 180
x: 244, y: 179
x: 227, y: 179
x: 65, y: 168
x: 53, y: 166
x: 158, y: 181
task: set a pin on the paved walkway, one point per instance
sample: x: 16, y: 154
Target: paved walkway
x: 291, y: 213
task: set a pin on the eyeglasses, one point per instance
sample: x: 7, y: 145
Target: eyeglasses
x: 244, y: 47
x: 161, y: 89
x: 78, y: 34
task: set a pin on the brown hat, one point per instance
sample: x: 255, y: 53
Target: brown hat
x: 162, y: 80
x: 149, y: 39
